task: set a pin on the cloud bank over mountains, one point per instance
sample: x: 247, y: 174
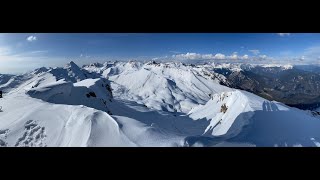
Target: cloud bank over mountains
x: 218, y: 56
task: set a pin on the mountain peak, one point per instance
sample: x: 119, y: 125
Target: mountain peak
x: 40, y: 70
x: 72, y: 65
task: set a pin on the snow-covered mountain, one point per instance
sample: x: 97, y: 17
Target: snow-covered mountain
x: 172, y: 87
x: 144, y: 104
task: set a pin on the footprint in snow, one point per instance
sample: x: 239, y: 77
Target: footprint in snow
x: 33, y: 136
x: 3, y: 136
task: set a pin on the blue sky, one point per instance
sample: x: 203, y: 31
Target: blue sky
x: 21, y: 52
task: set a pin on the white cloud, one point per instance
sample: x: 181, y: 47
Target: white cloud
x: 196, y: 56
x: 254, y: 51
x: 234, y: 56
x: 263, y: 56
x: 219, y: 56
x: 245, y: 56
x: 283, y: 34
x: 31, y: 38
x: 191, y: 56
x: 207, y: 56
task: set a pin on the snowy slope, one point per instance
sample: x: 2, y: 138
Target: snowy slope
x: 27, y: 121
x: 172, y: 87
x: 90, y: 92
x: 254, y: 120
x: 220, y: 122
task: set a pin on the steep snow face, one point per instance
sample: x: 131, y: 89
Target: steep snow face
x: 172, y: 87
x: 222, y: 110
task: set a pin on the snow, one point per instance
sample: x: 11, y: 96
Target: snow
x: 254, y: 120
x: 170, y: 87
x: 64, y: 125
x: 151, y: 104
x: 223, y: 121
x: 62, y: 92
